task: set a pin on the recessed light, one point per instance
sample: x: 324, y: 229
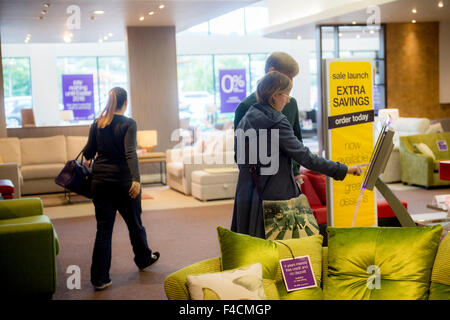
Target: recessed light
x: 441, y: 4
x: 67, y: 38
x: 110, y: 34
x: 105, y: 37
x: 44, y: 11
x: 340, y: 34
x: 372, y: 32
x: 162, y: 6
x: 141, y: 19
x: 151, y: 13
x: 414, y: 10
x: 98, y: 12
x: 100, y: 40
x: 299, y: 37
x: 47, y: 5
x: 413, y: 21
x: 354, y: 22
x: 358, y: 36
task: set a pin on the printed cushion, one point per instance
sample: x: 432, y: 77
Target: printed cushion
x: 240, y: 250
x: 380, y: 263
x: 440, y: 277
x: 245, y: 283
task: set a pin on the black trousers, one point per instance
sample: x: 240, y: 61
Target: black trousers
x: 108, y: 199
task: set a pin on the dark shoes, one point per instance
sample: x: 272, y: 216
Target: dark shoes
x: 153, y: 259
x: 102, y: 286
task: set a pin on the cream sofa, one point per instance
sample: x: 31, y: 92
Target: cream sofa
x: 33, y: 163
x: 213, y: 150
x: 402, y: 127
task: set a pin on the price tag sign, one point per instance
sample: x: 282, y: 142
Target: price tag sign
x: 298, y: 273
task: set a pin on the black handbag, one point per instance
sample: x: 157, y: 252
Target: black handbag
x: 76, y: 177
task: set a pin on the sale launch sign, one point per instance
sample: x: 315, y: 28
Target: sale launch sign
x: 349, y: 112
x: 233, y: 89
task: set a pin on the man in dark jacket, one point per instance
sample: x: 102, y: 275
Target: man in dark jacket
x: 284, y: 63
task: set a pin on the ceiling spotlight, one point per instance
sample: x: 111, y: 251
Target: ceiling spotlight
x: 162, y: 6
x: 105, y: 37
x: 92, y: 18
x: 47, y: 5
x: 67, y: 38
x: 413, y: 21
x: 354, y: 22
x: 110, y: 34
x: 151, y: 13
x: 414, y: 10
x: 41, y: 17
x: 340, y: 34
x: 358, y: 36
x: 44, y: 11
x: 100, y: 40
x: 98, y: 12
x: 299, y: 37
x: 141, y: 19
x: 372, y: 32
x: 441, y: 4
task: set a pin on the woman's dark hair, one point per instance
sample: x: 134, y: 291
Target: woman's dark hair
x: 116, y: 100
x: 272, y: 83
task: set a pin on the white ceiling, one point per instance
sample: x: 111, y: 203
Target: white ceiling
x: 397, y: 11
x: 21, y: 17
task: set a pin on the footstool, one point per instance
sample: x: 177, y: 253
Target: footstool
x: 6, y: 189
x: 214, y: 184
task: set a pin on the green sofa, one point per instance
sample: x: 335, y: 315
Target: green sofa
x: 437, y: 287
x: 28, y: 249
x: 418, y: 168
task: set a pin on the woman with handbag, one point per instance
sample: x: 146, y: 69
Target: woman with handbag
x: 259, y: 180
x: 115, y: 186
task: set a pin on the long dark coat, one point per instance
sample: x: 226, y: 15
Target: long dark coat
x: 247, y: 213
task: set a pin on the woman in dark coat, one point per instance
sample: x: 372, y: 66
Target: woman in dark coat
x: 273, y: 94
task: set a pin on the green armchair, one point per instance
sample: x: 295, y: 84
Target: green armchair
x: 418, y: 168
x: 28, y: 249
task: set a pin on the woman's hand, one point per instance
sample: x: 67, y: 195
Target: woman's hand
x: 135, y: 189
x: 355, y: 170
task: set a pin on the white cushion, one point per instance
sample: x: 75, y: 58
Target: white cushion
x: 10, y: 150
x: 74, y: 146
x: 41, y: 171
x: 240, y: 284
x: 43, y: 150
x: 435, y: 128
x: 176, y: 169
x: 423, y: 148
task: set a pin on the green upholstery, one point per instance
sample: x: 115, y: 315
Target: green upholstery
x: 417, y: 168
x: 176, y: 285
x: 28, y: 248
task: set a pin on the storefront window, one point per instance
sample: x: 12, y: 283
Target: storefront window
x: 17, y: 89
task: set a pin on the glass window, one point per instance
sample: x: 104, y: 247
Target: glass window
x: 112, y: 73
x: 196, y: 87
x: 257, y: 69
x: 17, y: 89
x: 230, y: 23
x: 233, y: 61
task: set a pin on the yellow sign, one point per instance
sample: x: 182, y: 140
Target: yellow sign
x: 350, y: 139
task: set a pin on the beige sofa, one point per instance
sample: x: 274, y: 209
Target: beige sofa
x: 213, y: 151
x: 33, y: 163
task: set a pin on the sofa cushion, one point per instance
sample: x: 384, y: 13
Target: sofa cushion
x: 10, y: 150
x: 202, y: 177
x: 74, y: 146
x: 41, y: 171
x: 380, y: 263
x: 244, y: 283
x: 309, y: 191
x: 319, y: 183
x: 440, y: 277
x: 43, y: 150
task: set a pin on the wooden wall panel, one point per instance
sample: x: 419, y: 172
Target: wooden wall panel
x: 412, y: 57
x: 153, y: 81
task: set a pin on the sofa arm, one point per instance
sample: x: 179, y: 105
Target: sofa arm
x: 11, y: 172
x: 175, y: 284
x: 19, y: 208
x: 28, y: 251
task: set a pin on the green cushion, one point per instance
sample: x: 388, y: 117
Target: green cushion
x: 440, y: 277
x: 404, y: 256
x: 239, y: 250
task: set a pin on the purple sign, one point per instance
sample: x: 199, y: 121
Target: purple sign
x: 298, y: 273
x: 233, y: 89
x: 78, y: 95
